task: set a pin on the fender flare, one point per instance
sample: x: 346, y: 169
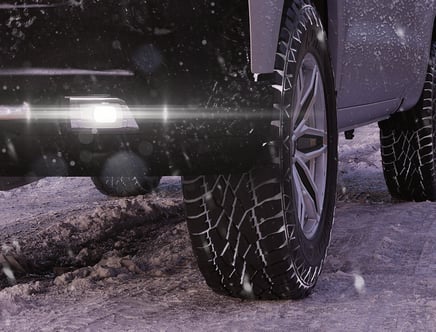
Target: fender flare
x: 265, y: 20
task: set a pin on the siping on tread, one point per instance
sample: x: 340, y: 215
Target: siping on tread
x: 236, y: 245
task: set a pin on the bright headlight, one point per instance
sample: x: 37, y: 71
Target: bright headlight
x: 100, y: 113
x: 105, y: 113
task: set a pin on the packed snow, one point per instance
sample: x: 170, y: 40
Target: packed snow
x: 73, y: 259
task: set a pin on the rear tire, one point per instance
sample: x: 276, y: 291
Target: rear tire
x: 408, y: 145
x: 264, y: 234
x: 126, y: 186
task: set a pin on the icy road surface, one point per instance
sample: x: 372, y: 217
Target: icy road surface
x: 82, y: 261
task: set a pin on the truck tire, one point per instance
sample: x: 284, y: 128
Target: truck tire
x: 126, y: 186
x: 264, y: 234
x: 408, y: 145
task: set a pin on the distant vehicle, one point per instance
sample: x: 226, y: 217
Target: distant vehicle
x: 244, y: 99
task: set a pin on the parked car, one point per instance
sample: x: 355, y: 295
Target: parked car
x: 243, y: 99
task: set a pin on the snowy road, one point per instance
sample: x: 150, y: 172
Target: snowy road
x: 85, y: 262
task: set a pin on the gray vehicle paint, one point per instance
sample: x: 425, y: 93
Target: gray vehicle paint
x: 265, y: 18
x: 379, y: 51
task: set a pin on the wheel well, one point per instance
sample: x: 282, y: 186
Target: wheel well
x: 264, y: 31
x: 321, y: 7
x: 433, y: 37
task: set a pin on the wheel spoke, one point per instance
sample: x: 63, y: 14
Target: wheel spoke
x: 299, y: 197
x: 306, y: 100
x: 312, y: 155
x: 307, y: 179
x: 312, y: 212
x: 311, y: 143
x: 304, y: 130
x: 306, y: 206
x: 299, y: 95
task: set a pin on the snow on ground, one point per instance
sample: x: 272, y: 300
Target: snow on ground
x: 74, y: 259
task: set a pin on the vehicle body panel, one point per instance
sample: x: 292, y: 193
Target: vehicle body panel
x: 265, y: 19
x: 379, y: 51
x: 382, y: 55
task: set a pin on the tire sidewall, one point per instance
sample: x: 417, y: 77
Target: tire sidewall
x: 432, y: 88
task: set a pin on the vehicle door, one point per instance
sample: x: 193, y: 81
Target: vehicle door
x: 382, y: 49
